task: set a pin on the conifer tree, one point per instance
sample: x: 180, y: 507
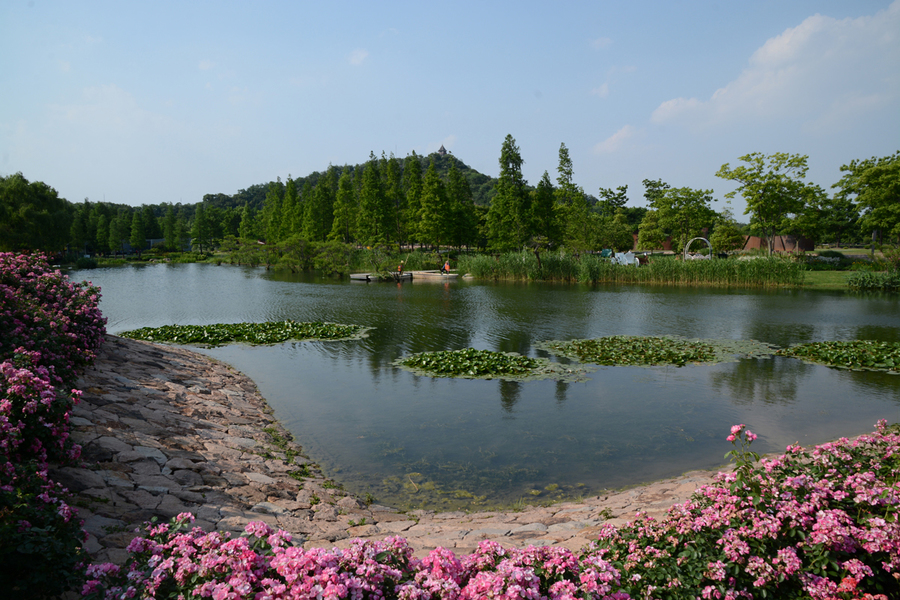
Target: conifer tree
x: 138, y: 238
x: 508, y: 219
x: 463, y: 227
x: 435, y: 214
x: 545, y: 213
x: 370, y: 218
x: 343, y: 228
x: 412, y: 176
x: 291, y: 220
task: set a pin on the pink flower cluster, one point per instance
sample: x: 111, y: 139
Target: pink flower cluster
x: 49, y: 328
x: 818, y: 524
x: 803, y: 524
x: 172, y: 562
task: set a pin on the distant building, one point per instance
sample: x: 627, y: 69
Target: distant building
x: 783, y: 243
x: 442, y: 152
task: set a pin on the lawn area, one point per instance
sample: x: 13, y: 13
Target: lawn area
x: 826, y: 280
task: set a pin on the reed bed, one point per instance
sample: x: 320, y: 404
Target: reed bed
x: 590, y: 268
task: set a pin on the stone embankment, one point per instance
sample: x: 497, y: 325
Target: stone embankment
x: 165, y: 430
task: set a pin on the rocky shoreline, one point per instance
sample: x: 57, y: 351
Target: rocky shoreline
x: 165, y: 430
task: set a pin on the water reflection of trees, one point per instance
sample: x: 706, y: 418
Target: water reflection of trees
x: 509, y: 394
x: 771, y: 381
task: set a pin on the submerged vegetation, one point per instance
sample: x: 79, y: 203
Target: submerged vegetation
x: 859, y: 354
x: 271, y: 332
x: 629, y: 350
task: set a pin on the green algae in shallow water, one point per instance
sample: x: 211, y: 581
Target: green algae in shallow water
x: 640, y: 351
x: 487, y: 364
x: 270, y: 332
x: 864, y: 355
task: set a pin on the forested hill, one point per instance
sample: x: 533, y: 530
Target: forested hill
x: 481, y: 185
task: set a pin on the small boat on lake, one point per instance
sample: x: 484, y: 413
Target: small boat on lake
x: 381, y: 276
x: 434, y: 275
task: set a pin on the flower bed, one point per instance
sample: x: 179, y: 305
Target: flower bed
x: 818, y: 524
x: 49, y: 328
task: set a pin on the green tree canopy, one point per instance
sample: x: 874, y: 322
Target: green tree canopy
x: 875, y: 184
x: 772, y: 187
x: 32, y: 216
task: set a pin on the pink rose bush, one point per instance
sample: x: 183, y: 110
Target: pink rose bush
x: 819, y: 525
x: 49, y: 328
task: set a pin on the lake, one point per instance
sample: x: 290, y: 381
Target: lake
x: 413, y: 441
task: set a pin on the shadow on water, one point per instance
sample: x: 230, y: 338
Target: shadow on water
x: 415, y: 441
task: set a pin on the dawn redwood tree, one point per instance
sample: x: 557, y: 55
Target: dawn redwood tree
x: 412, y: 180
x: 271, y: 211
x: 138, y: 238
x: 509, y: 216
x: 291, y: 215
x: 463, y: 225
x: 435, y: 216
x: 772, y: 187
x: 200, y: 228
x: 372, y: 220
x: 395, y: 197
x: 319, y: 215
x: 103, y: 233
x: 343, y: 227
x: 545, y: 212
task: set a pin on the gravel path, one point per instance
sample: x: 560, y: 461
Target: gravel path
x: 165, y: 430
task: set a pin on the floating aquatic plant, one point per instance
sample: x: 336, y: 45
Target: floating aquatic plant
x: 859, y: 354
x: 270, y: 332
x: 470, y: 363
x: 629, y: 350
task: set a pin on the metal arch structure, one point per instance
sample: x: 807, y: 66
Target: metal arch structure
x: 688, y: 245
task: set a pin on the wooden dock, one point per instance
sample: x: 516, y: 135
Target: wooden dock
x: 407, y: 276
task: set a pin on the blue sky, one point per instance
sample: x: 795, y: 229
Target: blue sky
x: 148, y: 102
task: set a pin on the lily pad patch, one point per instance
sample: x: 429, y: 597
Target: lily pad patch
x: 470, y: 363
x: 627, y: 350
x: 858, y: 355
x: 270, y: 332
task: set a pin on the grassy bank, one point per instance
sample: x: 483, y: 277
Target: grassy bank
x: 661, y: 270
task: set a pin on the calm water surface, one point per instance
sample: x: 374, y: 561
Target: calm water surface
x: 443, y: 443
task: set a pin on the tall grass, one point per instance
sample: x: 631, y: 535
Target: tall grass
x: 589, y: 268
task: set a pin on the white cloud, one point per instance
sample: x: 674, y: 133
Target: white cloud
x: 602, y: 91
x: 358, y: 56
x: 107, y: 110
x: 824, y: 73
x: 616, y: 141
x: 206, y: 65
x: 600, y: 43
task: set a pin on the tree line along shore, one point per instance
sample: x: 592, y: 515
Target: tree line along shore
x: 439, y: 202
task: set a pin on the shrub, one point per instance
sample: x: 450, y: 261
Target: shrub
x: 871, y: 281
x: 49, y: 328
